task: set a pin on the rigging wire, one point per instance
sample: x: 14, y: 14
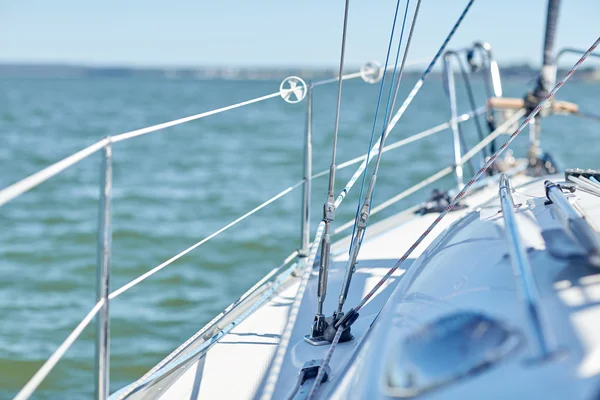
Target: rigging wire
x: 472, y: 102
x: 387, y: 129
x: 339, y: 101
x: 352, y: 315
x: 390, y: 108
x: 167, y: 365
x: 362, y: 214
x: 329, y: 206
x: 387, y: 58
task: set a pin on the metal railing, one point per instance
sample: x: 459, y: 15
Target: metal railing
x: 493, y: 87
x: 570, y: 50
x: 370, y: 73
x: 522, y: 269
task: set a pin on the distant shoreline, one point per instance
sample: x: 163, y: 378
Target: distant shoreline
x: 226, y: 73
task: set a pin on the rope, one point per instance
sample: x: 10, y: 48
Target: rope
x: 20, y: 187
x: 403, y: 142
x: 440, y: 174
x: 286, y: 336
x: 490, y: 161
x: 51, y: 362
x: 154, y: 270
x: 404, y: 106
x: 153, y: 128
x: 355, y: 75
x: 400, y: 143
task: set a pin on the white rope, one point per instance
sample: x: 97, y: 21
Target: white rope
x: 440, y: 174
x: 153, y: 128
x: 435, y: 177
x: 355, y: 75
x: 403, y: 142
x: 488, y: 139
x: 20, y: 187
x: 43, y: 372
x: 277, y: 363
x: 201, y: 242
x: 34, y: 180
x: 389, y: 128
x: 9, y: 193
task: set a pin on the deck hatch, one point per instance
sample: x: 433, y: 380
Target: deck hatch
x: 448, y: 349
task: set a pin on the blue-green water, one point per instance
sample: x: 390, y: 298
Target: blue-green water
x: 173, y: 188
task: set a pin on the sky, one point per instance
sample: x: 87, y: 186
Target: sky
x: 286, y: 33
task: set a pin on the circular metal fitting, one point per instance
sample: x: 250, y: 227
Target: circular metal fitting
x: 292, y: 89
x: 371, y: 72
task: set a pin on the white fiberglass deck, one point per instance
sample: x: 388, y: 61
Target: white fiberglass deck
x: 238, y: 364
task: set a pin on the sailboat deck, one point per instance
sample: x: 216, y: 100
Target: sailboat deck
x: 238, y: 364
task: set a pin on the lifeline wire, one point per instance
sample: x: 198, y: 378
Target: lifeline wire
x: 10, y: 192
x: 51, y: 362
x: 440, y: 174
x: 490, y: 161
x: 18, y: 188
x: 201, y: 242
x: 400, y: 143
x: 22, y: 186
x: 143, y: 277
